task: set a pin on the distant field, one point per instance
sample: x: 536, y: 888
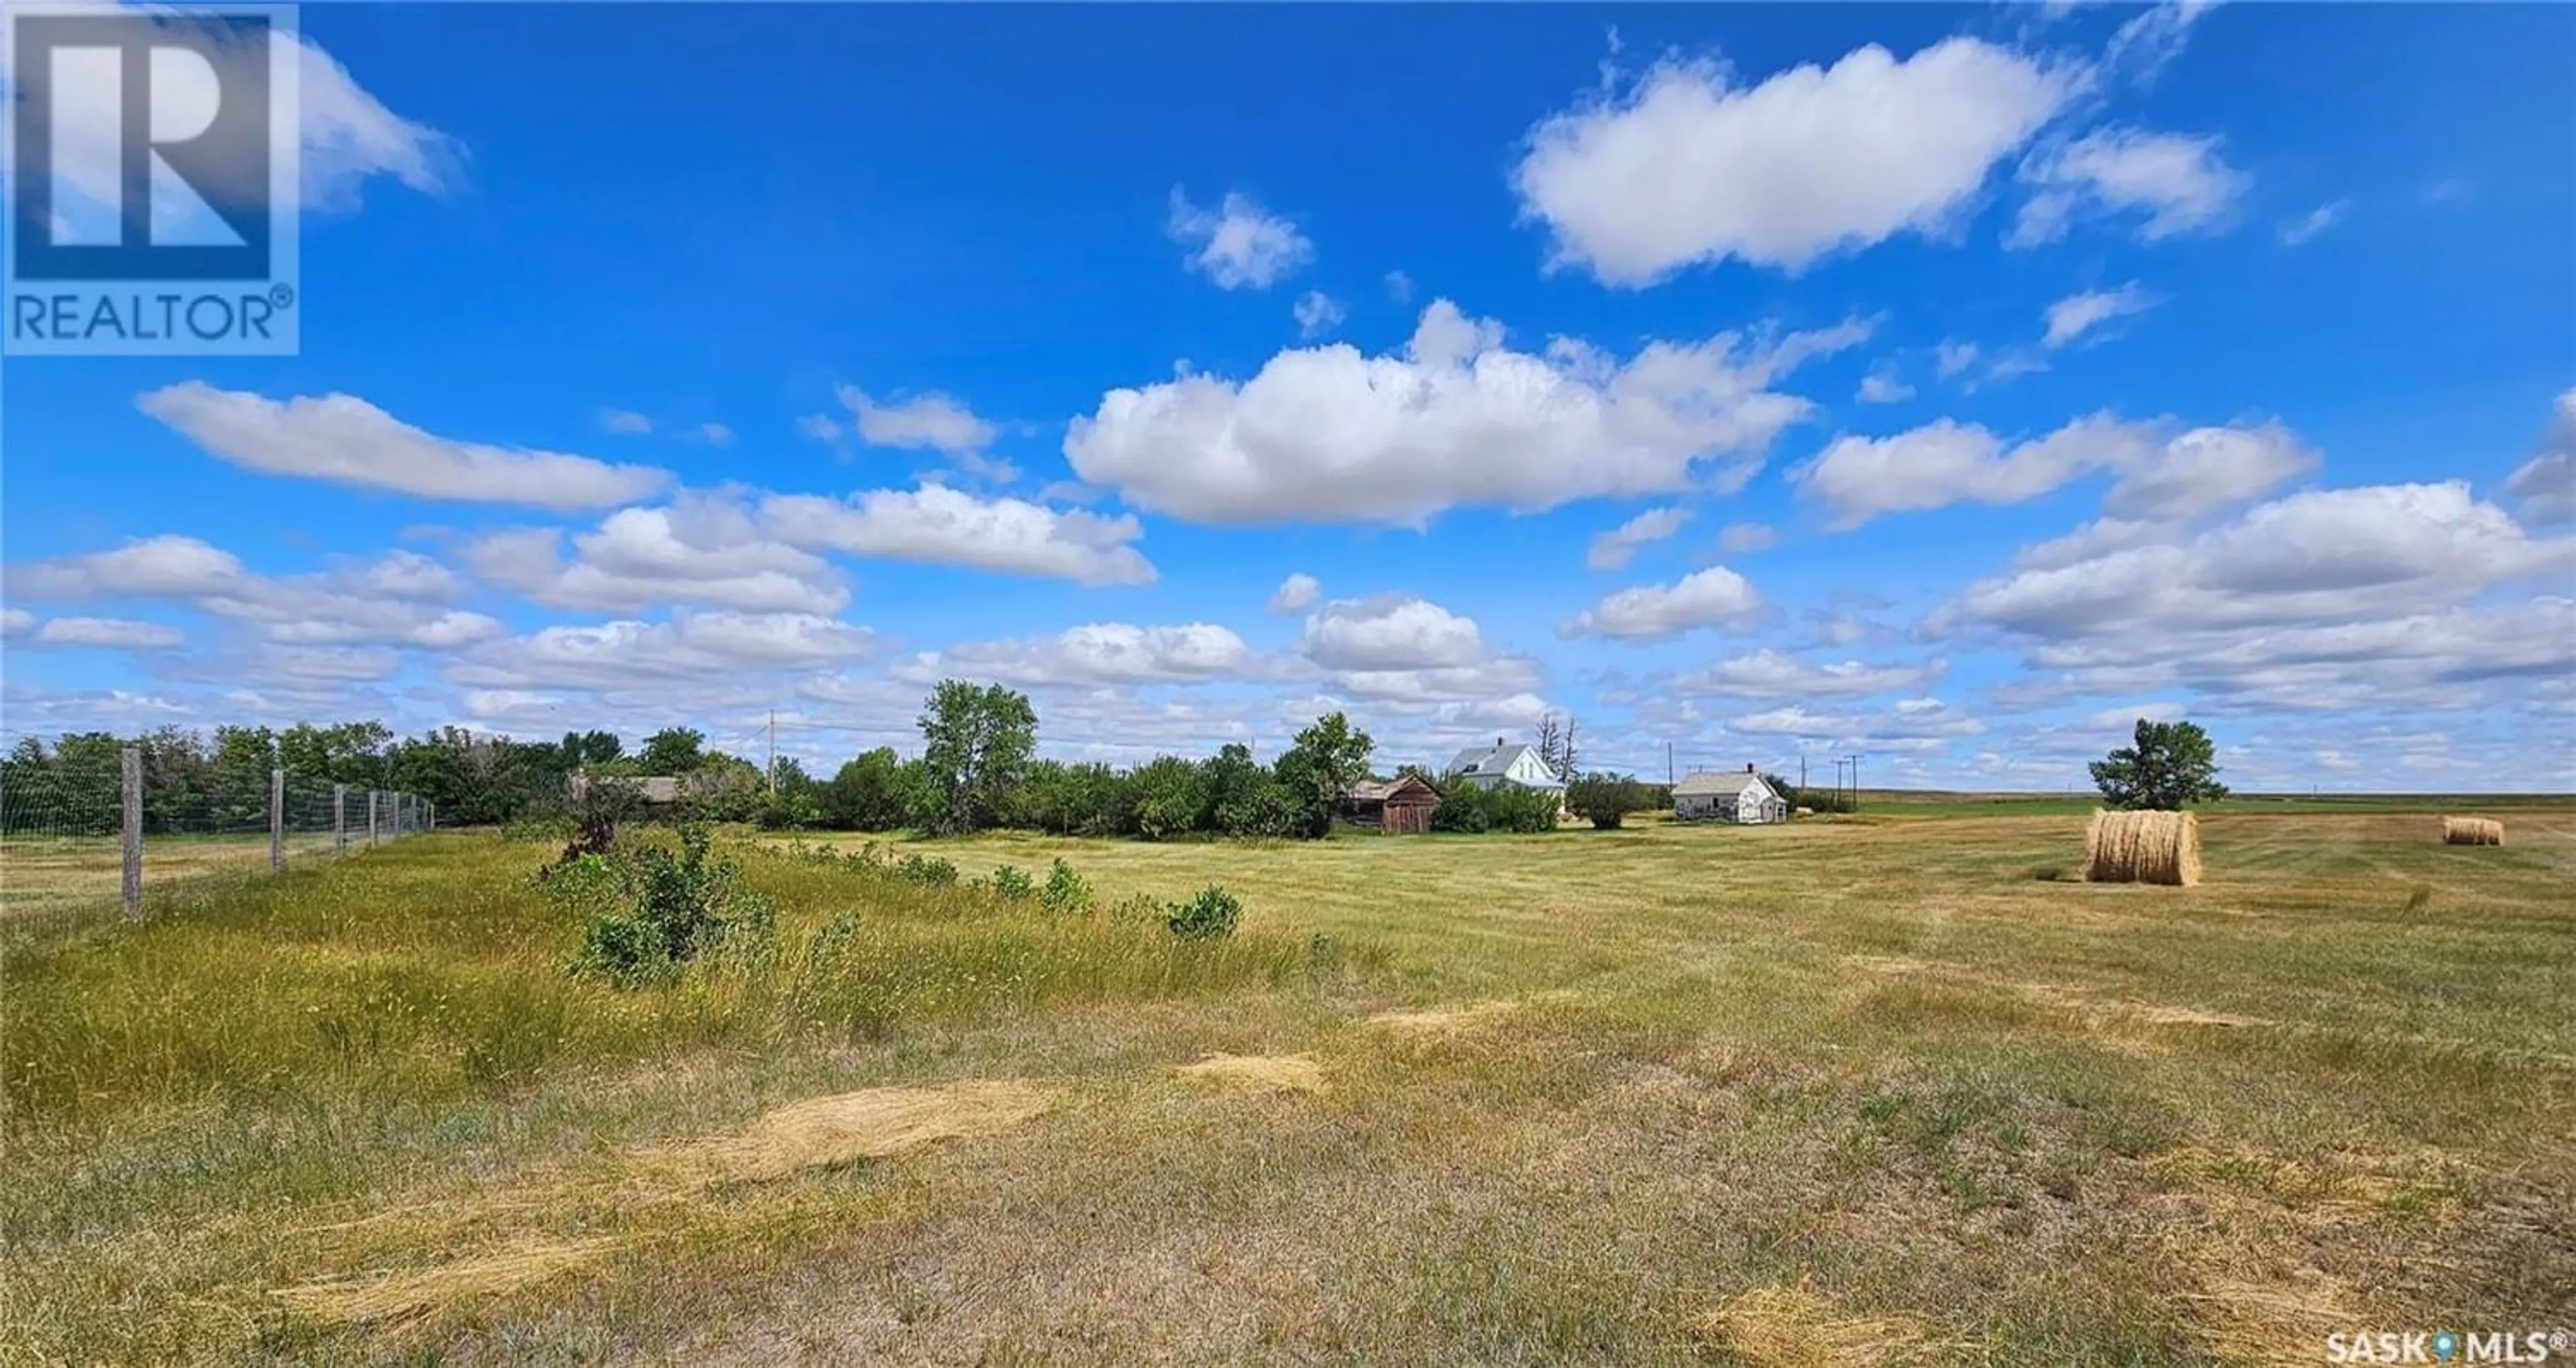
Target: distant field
x: 1851, y: 1091
x: 1929, y: 803
x: 57, y: 873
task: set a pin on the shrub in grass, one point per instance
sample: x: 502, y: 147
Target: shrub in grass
x: 1471, y: 809
x: 1214, y: 913
x: 672, y: 908
x: 926, y: 870
x: 1013, y: 884
x: 1607, y: 799
x: 1065, y: 890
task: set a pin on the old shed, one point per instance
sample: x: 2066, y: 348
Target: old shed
x: 1399, y: 807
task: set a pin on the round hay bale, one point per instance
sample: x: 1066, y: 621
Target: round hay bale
x: 2143, y: 847
x: 2472, y: 831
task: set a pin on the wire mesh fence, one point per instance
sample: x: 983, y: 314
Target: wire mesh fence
x: 103, y: 829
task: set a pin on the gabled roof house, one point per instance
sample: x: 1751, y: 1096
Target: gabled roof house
x: 1504, y: 763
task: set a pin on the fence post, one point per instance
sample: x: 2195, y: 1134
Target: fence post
x: 131, y: 886
x: 371, y: 818
x: 276, y: 820
x: 339, y: 819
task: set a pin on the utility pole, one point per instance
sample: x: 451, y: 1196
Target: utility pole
x: 1802, y: 771
x: 1668, y: 764
x: 1855, y: 802
x: 773, y: 752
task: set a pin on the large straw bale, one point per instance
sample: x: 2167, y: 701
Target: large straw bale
x: 2143, y: 847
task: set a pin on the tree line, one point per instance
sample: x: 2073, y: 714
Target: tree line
x: 196, y: 781
x: 977, y: 769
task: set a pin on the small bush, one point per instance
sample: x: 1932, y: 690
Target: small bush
x: 1137, y: 907
x: 1472, y: 809
x: 1607, y: 799
x: 1013, y: 884
x: 926, y: 870
x: 1065, y: 890
x: 659, y: 911
x: 1213, y: 914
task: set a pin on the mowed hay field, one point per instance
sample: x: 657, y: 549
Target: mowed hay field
x: 1847, y: 1091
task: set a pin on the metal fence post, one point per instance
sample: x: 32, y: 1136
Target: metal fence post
x: 339, y: 819
x: 132, y: 884
x: 276, y: 820
x: 372, y: 795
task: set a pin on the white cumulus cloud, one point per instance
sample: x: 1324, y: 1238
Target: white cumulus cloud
x: 1457, y: 418
x: 941, y: 526
x: 1295, y: 594
x: 1689, y: 166
x: 1715, y: 597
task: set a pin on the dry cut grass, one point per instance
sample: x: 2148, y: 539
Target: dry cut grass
x: 871, y: 1124
x: 2143, y: 847
x: 1259, y: 1073
x: 1792, y: 1327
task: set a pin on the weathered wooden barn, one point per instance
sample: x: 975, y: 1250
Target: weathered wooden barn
x: 1728, y: 796
x: 1399, y: 807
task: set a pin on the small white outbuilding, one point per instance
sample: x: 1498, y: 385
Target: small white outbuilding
x: 1728, y: 796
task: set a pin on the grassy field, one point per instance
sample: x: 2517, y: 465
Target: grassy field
x: 1850, y: 1091
x: 52, y: 874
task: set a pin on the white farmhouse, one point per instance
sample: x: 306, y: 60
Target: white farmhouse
x: 1504, y: 763
x: 1728, y: 796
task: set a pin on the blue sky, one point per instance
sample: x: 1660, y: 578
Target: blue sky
x: 1968, y: 381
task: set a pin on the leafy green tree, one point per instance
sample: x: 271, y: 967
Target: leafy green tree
x: 348, y: 753
x: 1606, y: 799
x: 591, y: 748
x: 1322, y: 765
x: 1228, y: 778
x: 2167, y: 765
x: 237, y: 775
x: 178, y: 791
x: 977, y: 744
x: 870, y: 793
x: 89, y: 776
x: 1169, y: 798
x: 674, y: 750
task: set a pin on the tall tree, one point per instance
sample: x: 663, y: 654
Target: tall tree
x: 2166, y: 765
x: 591, y: 748
x: 237, y: 774
x: 1551, y: 742
x: 674, y: 750
x: 1556, y: 748
x: 977, y: 743
x: 1325, y: 761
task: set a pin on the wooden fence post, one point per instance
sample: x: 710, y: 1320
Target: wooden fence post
x: 276, y: 821
x: 132, y: 884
